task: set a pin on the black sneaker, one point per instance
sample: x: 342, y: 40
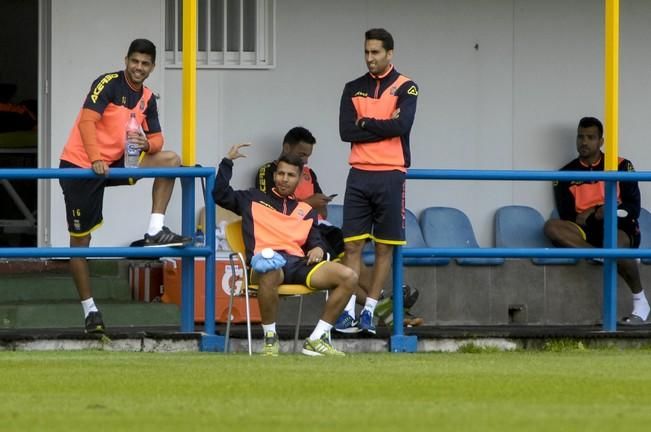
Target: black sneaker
x: 409, y: 296
x: 166, y: 238
x: 95, y: 323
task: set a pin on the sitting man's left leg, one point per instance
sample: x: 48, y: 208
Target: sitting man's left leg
x: 629, y: 270
x: 342, y: 283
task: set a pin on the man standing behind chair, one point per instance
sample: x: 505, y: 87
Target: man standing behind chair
x: 277, y: 221
x: 580, y: 207
x: 97, y: 141
x: 376, y: 114
x: 299, y: 142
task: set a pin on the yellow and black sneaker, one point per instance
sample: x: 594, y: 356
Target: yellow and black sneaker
x: 95, y: 323
x: 271, y: 345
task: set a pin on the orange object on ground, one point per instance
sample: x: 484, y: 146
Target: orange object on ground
x: 223, y: 277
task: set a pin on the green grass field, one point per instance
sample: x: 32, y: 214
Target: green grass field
x: 584, y: 390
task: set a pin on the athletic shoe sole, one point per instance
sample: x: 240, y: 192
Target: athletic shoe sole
x: 349, y: 330
x: 311, y: 353
x: 178, y: 244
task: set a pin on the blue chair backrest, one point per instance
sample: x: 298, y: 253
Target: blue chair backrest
x: 645, y: 232
x: 413, y: 234
x: 645, y: 228
x: 522, y: 227
x: 336, y: 214
x: 447, y: 227
x: 519, y: 226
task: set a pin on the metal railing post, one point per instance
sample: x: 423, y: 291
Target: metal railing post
x: 187, y: 263
x: 211, y: 284
x: 610, y: 264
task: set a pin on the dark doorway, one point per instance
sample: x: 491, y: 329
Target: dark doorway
x: 19, y: 36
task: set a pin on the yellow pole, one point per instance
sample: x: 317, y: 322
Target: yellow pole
x: 189, y: 100
x: 611, y: 97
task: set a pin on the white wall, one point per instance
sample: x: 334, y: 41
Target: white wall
x: 512, y: 103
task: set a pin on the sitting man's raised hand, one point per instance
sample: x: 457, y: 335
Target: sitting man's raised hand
x: 234, y: 152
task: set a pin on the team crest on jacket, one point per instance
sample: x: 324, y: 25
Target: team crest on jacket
x: 394, y: 89
x: 142, y: 105
x: 300, y: 212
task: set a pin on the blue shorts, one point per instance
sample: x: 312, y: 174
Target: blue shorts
x: 374, y: 206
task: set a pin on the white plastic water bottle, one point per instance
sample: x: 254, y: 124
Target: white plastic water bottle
x: 131, y: 150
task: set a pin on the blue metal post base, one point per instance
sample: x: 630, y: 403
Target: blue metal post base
x: 211, y: 343
x: 402, y: 343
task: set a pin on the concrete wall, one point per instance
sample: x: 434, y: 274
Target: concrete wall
x: 517, y: 292
x: 502, y: 85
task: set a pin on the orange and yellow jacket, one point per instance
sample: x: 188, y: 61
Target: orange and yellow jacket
x: 378, y: 141
x: 268, y: 219
x: 99, y: 132
x: 576, y: 196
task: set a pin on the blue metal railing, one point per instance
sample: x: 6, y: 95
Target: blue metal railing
x: 610, y: 252
x: 210, y: 340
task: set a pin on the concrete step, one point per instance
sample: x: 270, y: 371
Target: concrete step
x: 44, y: 287
x: 69, y: 314
x: 97, y: 267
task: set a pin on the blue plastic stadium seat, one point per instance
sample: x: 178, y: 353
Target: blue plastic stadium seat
x: 446, y: 227
x: 336, y: 214
x: 522, y: 227
x: 645, y: 231
x: 413, y: 234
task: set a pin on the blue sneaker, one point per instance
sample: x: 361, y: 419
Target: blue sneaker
x: 346, y: 324
x: 366, y: 322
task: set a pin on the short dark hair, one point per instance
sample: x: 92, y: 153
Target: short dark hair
x: 144, y: 46
x: 587, y: 122
x: 298, y: 134
x: 381, y: 35
x: 292, y: 160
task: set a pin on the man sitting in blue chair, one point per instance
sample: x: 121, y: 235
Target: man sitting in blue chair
x: 580, y: 207
x: 284, y: 247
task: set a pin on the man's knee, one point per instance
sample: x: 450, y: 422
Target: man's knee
x: 80, y: 241
x: 382, y: 249
x: 168, y: 159
x: 349, y: 279
x: 552, y: 229
x: 353, y: 248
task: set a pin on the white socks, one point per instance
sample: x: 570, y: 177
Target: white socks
x: 350, y: 307
x: 321, y: 328
x: 156, y: 222
x: 370, y: 305
x: 641, y: 305
x: 269, y: 328
x: 89, y: 306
